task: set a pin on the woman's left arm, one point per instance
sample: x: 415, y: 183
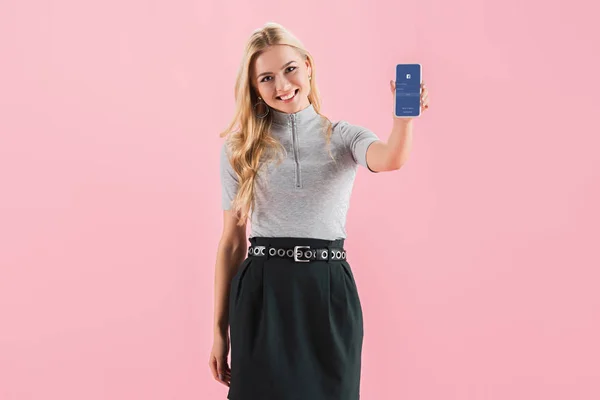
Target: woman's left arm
x: 391, y: 155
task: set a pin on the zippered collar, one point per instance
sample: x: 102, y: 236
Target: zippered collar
x: 302, y: 117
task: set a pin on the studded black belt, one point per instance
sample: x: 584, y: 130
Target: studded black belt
x: 299, y: 253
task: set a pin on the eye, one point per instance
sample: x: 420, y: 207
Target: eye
x: 263, y: 80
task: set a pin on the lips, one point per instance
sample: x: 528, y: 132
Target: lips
x: 295, y: 93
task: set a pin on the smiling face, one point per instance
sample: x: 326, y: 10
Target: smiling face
x: 280, y: 71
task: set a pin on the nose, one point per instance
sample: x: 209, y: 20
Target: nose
x: 282, y: 85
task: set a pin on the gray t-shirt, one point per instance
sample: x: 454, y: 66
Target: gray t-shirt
x: 307, y: 195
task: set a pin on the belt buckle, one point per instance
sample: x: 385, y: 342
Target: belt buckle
x: 296, y: 253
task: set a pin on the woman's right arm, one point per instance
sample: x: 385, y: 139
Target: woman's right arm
x: 230, y: 254
x: 232, y: 250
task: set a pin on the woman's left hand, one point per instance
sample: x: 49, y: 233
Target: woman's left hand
x: 424, y: 96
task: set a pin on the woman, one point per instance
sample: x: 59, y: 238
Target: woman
x: 290, y: 300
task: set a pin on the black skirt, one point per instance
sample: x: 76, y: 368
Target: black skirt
x: 296, y: 328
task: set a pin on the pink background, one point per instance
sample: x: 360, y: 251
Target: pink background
x: 477, y: 262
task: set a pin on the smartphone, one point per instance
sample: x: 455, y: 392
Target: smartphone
x: 407, y: 99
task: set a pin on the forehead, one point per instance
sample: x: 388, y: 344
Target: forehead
x: 274, y: 57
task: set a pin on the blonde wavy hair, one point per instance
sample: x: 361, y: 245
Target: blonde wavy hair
x: 249, y: 140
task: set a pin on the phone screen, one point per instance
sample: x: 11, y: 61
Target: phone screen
x: 408, y: 90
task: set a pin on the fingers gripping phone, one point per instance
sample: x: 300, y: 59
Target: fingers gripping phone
x: 407, y: 99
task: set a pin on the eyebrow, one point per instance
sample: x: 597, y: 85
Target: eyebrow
x: 267, y: 73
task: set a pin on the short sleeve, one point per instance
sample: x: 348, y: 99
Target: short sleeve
x: 229, y: 180
x: 358, y: 139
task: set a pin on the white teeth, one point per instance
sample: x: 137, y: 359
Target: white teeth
x: 288, y: 97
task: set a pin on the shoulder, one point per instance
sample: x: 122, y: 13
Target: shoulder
x: 349, y: 132
x: 224, y: 146
x: 224, y: 156
x: 340, y: 124
x: 344, y: 126
x: 225, y: 151
x: 341, y: 128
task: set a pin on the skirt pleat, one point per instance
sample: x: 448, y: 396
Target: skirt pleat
x: 296, y: 329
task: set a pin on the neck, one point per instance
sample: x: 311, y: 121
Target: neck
x: 307, y: 114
